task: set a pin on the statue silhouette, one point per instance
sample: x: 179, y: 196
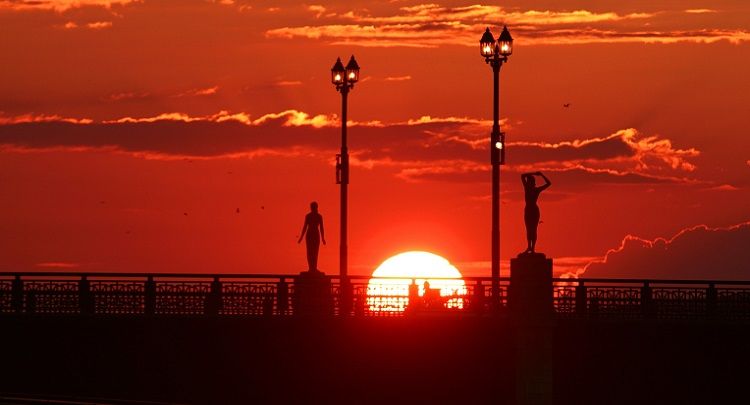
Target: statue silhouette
x: 531, y: 212
x: 313, y: 228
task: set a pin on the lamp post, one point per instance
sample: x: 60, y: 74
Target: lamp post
x: 344, y: 78
x: 495, y: 54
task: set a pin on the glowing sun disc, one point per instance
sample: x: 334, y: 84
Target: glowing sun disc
x: 391, y: 294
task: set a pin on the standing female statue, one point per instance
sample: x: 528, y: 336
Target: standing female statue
x: 313, y: 228
x: 531, y: 212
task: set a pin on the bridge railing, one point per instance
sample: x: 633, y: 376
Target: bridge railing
x: 652, y: 299
x: 404, y: 296
x: 111, y: 294
x: 58, y: 293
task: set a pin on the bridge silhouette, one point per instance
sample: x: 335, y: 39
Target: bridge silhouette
x: 113, y: 294
x: 271, y: 338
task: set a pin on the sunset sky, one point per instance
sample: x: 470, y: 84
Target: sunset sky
x: 132, y: 131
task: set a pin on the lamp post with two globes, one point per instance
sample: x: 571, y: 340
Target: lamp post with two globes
x: 344, y: 78
x: 495, y: 54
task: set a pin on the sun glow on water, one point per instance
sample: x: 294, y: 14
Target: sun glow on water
x: 391, y: 294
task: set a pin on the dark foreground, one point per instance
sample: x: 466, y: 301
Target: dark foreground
x: 424, y: 360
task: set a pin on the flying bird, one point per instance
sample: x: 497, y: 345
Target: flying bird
x: 184, y: 213
x: 566, y: 105
x: 238, y: 210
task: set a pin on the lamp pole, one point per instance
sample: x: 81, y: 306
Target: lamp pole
x: 495, y: 54
x: 344, y: 78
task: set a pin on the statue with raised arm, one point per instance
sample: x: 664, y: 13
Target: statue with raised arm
x: 313, y: 232
x: 531, y: 212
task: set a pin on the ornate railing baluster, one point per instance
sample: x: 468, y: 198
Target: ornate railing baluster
x: 17, y: 295
x: 149, y: 296
x: 345, y: 298
x: 267, y: 305
x: 282, y: 297
x: 711, y: 298
x: 581, y: 299
x: 213, y: 302
x: 647, y: 303
x: 85, y: 298
x: 478, y: 298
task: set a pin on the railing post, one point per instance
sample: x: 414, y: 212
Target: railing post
x: 359, y: 302
x: 712, y: 296
x: 478, y: 304
x: 149, y: 296
x: 85, y: 298
x: 282, y: 296
x: 213, y: 302
x: 16, y: 295
x: 581, y: 299
x: 647, y: 303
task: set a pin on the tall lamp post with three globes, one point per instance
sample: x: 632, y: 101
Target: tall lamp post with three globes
x: 495, y: 54
x: 344, y: 78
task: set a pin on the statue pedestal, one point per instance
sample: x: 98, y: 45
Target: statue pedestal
x: 530, y: 292
x: 312, y: 294
x: 531, y: 309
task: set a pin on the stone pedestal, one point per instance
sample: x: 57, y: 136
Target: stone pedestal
x: 312, y: 294
x: 530, y: 291
x: 531, y: 308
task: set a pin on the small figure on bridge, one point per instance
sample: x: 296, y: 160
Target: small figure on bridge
x: 431, y: 297
x: 313, y: 228
x: 531, y: 212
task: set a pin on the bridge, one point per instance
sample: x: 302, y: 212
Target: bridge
x: 249, y: 295
x: 277, y: 338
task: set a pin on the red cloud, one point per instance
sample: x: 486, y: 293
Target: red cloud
x: 626, y: 149
x: 397, y: 78
x: 290, y: 117
x: 700, y: 11
x: 58, y: 265
x: 27, y: 118
x: 698, y: 252
x: 59, y: 5
x: 207, y: 91
x: 289, y: 83
x: 127, y: 96
x: 433, y: 25
x: 317, y: 9
x: 423, y: 149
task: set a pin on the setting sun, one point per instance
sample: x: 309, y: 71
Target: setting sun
x: 388, y: 290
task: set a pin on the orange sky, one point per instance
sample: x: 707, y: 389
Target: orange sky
x: 118, y: 117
